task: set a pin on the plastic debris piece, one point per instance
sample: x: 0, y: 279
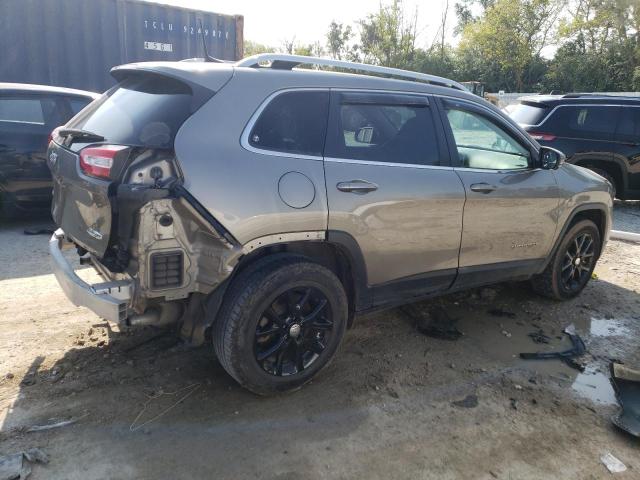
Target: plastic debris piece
x: 612, y: 463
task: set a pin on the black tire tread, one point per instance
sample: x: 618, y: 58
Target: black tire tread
x: 544, y: 283
x: 254, y: 282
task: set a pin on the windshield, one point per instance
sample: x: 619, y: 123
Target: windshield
x: 145, y: 110
x: 528, y: 113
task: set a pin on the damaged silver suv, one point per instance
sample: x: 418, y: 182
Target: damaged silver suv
x: 260, y: 207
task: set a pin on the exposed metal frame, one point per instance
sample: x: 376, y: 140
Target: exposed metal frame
x: 288, y: 62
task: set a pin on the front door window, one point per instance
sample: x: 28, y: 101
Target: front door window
x: 482, y: 144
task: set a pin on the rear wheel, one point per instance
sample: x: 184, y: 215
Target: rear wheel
x: 571, y: 267
x: 280, y: 324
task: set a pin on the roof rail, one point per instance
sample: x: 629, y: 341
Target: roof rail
x: 287, y: 62
x: 579, y: 95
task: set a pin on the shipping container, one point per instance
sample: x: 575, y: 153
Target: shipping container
x: 74, y: 43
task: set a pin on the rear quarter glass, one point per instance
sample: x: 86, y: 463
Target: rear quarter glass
x: 528, y: 113
x: 142, y: 110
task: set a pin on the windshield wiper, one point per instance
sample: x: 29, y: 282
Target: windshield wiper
x: 73, y: 134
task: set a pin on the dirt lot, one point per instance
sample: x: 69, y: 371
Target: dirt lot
x: 383, y: 409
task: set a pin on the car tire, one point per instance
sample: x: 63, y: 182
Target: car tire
x: 571, y: 267
x: 607, y: 176
x: 282, y: 321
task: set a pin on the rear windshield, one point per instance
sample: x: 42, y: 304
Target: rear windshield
x: 528, y: 113
x: 144, y: 111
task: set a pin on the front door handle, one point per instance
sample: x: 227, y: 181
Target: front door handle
x: 482, y: 188
x: 357, y: 186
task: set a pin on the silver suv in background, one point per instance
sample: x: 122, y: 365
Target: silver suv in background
x: 260, y: 207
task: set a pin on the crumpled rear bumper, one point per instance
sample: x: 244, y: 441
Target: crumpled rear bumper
x: 109, y: 300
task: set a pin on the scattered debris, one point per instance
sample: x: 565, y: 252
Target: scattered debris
x: 435, y: 323
x: 13, y: 467
x: 470, y: 401
x: 506, y: 334
x: 392, y: 393
x: 578, y: 349
x: 190, y: 390
x: 64, y: 423
x: 499, y: 312
x: 539, y: 336
x: 514, y: 403
x: 612, y: 463
x: 626, y: 383
x: 35, y: 455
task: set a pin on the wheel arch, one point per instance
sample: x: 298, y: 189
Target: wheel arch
x: 596, y: 212
x: 339, y: 252
x: 615, y: 168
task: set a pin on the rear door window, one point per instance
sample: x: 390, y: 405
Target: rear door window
x: 293, y: 122
x: 142, y: 110
x: 590, y: 122
x: 387, y: 128
x: 76, y: 104
x: 629, y: 125
x: 22, y: 110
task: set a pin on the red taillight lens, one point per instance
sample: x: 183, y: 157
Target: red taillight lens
x: 97, y: 161
x: 545, y: 137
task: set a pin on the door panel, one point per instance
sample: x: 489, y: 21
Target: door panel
x: 511, y: 207
x: 515, y: 221
x: 408, y: 226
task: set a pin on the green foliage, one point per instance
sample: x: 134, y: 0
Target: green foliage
x: 596, y: 44
x: 505, y: 44
x: 387, y: 37
x: 339, y: 41
x: 254, y: 48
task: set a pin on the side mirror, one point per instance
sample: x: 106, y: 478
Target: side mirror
x: 365, y: 135
x: 550, y: 158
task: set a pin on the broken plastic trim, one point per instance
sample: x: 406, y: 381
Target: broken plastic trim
x: 626, y: 383
x: 578, y: 349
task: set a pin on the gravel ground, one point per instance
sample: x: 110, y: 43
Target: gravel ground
x: 394, y: 403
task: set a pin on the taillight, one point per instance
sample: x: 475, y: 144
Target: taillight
x: 97, y: 161
x: 545, y: 137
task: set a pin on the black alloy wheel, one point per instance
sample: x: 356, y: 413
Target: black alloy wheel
x: 293, y: 331
x: 578, y: 262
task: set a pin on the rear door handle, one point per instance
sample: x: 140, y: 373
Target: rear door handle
x: 357, y: 186
x: 482, y: 188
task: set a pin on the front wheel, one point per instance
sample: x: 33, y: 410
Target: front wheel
x: 280, y: 324
x: 572, y: 265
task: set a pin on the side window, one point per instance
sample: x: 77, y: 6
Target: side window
x: 483, y: 144
x: 21, y: 110
x: 293, y: 122
x: 629, y: 125
x: 378, y: 132
x: 591, y: 122
x: 78, y: 104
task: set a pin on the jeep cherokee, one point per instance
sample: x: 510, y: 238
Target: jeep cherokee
x: 260, y: 207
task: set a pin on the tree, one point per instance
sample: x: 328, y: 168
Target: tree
x: 339, y: 38
x: 254, y: 48
x: 387, y: 37
x: 510, y: 37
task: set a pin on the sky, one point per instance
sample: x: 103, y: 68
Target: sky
x: 270, y: 22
